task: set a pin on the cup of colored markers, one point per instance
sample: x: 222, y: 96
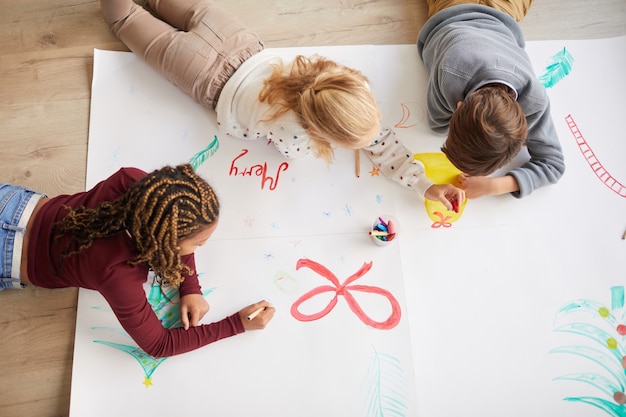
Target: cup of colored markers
x: 384, y: 230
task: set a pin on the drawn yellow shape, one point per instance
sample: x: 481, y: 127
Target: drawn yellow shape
x: 603, y: 311
x: 440, y: 171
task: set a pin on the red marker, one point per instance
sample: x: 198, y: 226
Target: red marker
x: 455, y: 205
x: 391, y: 227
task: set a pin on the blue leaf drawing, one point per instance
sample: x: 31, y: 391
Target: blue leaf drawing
x: 385, y: 387
x: 199, y: 158
x: 559, y: 67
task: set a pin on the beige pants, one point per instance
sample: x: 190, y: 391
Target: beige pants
x: 517, y: 9
x: 193, y: 43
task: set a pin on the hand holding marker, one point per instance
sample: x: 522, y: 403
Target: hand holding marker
x: 256, y: 316
x: 255, y: 313
x: 455, y: 205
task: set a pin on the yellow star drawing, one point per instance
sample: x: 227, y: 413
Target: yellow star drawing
x: 147, y: 382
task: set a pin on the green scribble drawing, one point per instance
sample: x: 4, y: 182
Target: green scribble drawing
x: 199, y: 158
x: 166, y: 307
x: 606, y: 331
x: 558, y: 68
x: 385, y: 386
x: 285, y: 282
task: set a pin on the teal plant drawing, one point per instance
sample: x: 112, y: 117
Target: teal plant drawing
x: 385, y: 386
x: 559, y: 67
x: 199, y: 158
x: 148, y: 363
x: 167, y: 309
x: 606, y: 330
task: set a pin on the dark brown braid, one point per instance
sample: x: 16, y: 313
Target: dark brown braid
x: 159, y: 210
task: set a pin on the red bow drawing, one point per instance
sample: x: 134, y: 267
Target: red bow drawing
x: 344, y: 289
x: 441, y: 223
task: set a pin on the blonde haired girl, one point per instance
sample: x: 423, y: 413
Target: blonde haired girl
x: 307, y: 106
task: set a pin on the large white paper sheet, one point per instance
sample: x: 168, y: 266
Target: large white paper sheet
x: 512, y: 307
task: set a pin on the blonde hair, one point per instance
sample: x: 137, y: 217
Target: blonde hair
x: 333, y: 102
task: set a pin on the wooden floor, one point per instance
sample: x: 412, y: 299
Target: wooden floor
x: 46, y: 62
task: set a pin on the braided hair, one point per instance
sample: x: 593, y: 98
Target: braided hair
x: 159, y: 210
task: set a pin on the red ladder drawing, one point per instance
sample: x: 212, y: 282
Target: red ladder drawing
x: 593, y: 162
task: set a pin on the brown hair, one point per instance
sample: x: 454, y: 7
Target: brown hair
x: 159, y: 210
x: 486, y: 131
x: 333, y: 102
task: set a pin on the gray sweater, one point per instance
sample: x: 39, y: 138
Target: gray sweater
x: 467, y: 46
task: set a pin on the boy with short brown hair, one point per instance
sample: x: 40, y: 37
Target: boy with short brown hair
x: 483, y: 92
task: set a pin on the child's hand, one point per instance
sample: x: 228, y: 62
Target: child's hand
x: 476, y: 187
x: 192, y: 308
x: 446, y: 194
x: 257, y: 315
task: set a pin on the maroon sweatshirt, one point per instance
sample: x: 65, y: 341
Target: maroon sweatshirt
x: 103, y: 267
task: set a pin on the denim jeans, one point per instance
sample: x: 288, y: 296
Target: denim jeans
x: 16, y: 206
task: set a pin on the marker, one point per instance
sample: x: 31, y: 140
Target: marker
x: 384, y: 223
x: 391, y: 228
x: 455, y: 205
x: 380, y: 227
x: 357, y: 163
x: 255, y: 313
x: 378, y: 233
x: 624, y: 236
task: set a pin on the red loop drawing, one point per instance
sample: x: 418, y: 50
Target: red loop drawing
x: 441, y: 223
x: 344, y: 290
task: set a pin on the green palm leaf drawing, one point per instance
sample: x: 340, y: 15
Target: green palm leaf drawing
x: 199, y: 158
x: 608, y: 407
x: 604, y: 384
x: 385, y: 387
x: 606, y: 330
x: 559, y: 67
x: 166, y: 307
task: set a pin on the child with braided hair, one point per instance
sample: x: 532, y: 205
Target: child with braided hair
x: 307, y: 106
x: 108, y: 239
